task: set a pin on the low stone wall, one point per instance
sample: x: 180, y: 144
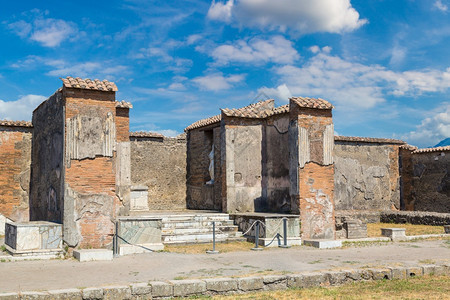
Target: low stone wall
x: 230, y: 286
x: 416, y: 217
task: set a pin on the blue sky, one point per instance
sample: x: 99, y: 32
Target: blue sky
x: 385, y: 65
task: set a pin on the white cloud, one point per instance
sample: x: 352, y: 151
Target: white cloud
x: 281, y: 92
x: 46, y: 31
x: 176, y: 64
x: 216, y: 82
x: 355, y: 85
x: 220, y: 11
x: 432, y: 129
x: 277, y: 49
x: 21, y: 109
x: 300, y: 16
x: 441, y: 6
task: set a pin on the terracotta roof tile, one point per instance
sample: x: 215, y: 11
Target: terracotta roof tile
x: 435, y: 149
x: 204, y: 122
x: 88, y: 84
x: 312, y: 102
x: 15, y: 123
x: 408, y: 147
x: 124, y: 104
x: 368, y: 140
x: 146, y: 134
x: 254, y: 111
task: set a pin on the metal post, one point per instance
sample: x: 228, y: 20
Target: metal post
x: 257, y: 237
x: 115, y: 240
x: 285, y: 245
x: 214, y: 240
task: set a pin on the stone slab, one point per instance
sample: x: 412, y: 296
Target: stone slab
x: 323, y: 244
x: 220, y: 285
x: 83, y: 255
x: 183, y: 288
x: 396, y: 234
x: 33, y: 236
x: 141, y: 248
x: 161, y: 289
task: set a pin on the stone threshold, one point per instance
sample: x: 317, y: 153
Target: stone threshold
x: 228, y: 285
x: 388, y: 239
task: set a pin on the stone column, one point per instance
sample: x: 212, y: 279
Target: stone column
x: 311, y: 142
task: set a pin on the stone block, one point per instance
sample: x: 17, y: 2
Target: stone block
x: 428, y: 269
x: 116, y: 292
x: 414, y: 271
x: 447, y: 229
x: 355, y: 229
x: 183, y: 288
x: 31, y: 295
x: 92, y: 293
x: 139, y: 198
x: 221, y: 285
x: 140, y: 289
x: 275, y: 282
x: 161, y: 289
x: 357, y: 275
x: 379, y: 274
x: 323, y: 244
x: 9, y: 296
x: 398, y: 272
x: 141, y: 248
x: 440, y: 270
x: 306, y: 280
x: 32, y: 236
x: 250, y: 283
x: 70, y: 294
x: 83, y: 255
x: 336, y: 277
x: 395, y: 234
x: 139, y: 231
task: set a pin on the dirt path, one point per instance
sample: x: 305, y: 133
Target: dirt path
x: 61, y: 274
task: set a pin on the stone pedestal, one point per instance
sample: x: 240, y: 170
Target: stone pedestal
x: 139, y: 235
x: 355, y: 229
x: 32, y: 238
x: 396, y: 234
x: 139, y: 198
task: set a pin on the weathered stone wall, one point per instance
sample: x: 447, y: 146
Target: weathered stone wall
x: 90, y: 200
x: 15, y: 160
x: 160, y: 164
x: 366, y: 176
x: 276, y: 165
x: 426, y: 180
x: 47, y: 168
x: 199, y: 194
x: 243, y: 148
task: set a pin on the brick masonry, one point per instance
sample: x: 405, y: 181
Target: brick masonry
x: 15, y: 159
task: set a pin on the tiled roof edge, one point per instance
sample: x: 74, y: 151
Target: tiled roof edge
x: 368, y: 140
x: 146, y: 134
x: 89, y: 84
x: 124, y: 104
x: 434, y: 149
x: 16, y: 123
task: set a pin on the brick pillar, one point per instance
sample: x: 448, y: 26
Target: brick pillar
x: 311, y: 142
x: 91, y: 203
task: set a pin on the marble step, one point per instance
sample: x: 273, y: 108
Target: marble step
x: 199, y: 238
x: 190, y: 230
x: 195, y: 224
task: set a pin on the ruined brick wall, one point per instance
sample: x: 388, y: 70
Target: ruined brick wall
x: 312, y: 169
x: 366, y: 176
x: 430, y: 182
x: 90, y: 200
x: 47, y: 169
x: 15, y: 160
x: 122, y: 124
x: 276, y: 165
x: 160, y: 164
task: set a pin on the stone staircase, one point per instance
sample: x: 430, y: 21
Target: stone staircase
x: 198, y: 228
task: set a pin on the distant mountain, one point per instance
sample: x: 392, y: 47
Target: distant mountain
x: 443, y: 143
